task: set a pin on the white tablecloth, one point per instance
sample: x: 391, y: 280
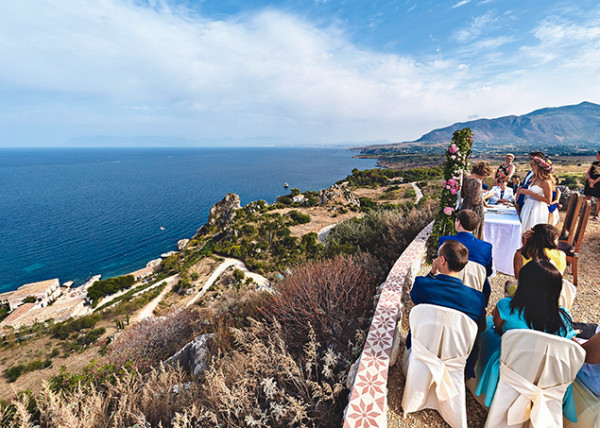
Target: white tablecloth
x: 502, y: 229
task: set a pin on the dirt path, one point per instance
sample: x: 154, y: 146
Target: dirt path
x: 259, y: 279
x: 417, y: 191
x: 148, y: 310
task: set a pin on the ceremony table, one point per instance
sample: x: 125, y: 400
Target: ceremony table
x: 502, y: 229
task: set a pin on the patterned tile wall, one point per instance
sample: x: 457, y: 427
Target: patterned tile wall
x: 368, y: 399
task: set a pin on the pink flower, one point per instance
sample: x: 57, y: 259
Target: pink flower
x: 453, y: 191
x: 443, y: 183
x: 453, y: 157
x: 448, y: 210
x: 453, y: 149
x: 448, y: 187
x: 452, y: 182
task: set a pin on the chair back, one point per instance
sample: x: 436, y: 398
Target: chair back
x: 442, y: 340
x: 581, y: 226
x: 567, y: 295
x: 566, y: 234
x: 535, y: 371
x: 473, y: 275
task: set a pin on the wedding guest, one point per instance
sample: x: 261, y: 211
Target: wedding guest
x: 592, y: 184
x: 539, y: 243
x: 553, y: 214
x: 443, y: 287
x: 515, y: 182
x: 480, y: 252
x: 535, y: 307
x: 506, y: 169
x: 472, y: 192
x: 500, y: 194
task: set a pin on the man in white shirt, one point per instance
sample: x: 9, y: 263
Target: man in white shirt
x: 500, y: 194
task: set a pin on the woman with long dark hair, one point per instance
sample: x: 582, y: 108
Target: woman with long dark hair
x: 534, y: 307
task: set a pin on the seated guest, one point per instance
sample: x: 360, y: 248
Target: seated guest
x: 586, y: 388
x: 540, y: 243
x: 535, y: 307
x: 442, y: 287
x: 480, y: 252
x: 500, y: 194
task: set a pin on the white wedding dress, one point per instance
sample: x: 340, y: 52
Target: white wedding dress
x: 534, y: 211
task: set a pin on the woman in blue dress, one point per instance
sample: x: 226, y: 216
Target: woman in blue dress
x: 535, y: 307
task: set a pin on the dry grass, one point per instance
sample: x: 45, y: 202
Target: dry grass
x: 153, y: 340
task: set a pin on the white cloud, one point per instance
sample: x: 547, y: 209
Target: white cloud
x: 475, y: 28
x: 78, y: 67
x: 461, y: 3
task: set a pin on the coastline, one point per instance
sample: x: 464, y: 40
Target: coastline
x: 109, y: 222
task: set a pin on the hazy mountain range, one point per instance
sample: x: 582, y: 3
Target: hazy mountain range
x: 574, y: 128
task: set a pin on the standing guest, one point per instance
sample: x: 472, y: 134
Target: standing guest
x: 553, y: 214
x: 515, y: 183
x: 472, y: 192
x: 538, y: 195
x: 592, y: 184
x: 506, y: 169
x: 534, y: 307
x: 442, y: 287
x: 527, y: 180
x: 500, y: 194
x: 480, y: 252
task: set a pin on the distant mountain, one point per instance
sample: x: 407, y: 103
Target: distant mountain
x: 568, y: 128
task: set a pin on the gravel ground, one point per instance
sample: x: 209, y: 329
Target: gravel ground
x: 586, y: 308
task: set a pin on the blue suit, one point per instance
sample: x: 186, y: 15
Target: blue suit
x: 450, y: 292
x: 480, y: 252
x: 524, y: 185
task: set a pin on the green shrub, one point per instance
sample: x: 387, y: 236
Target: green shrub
x: 30, y: 299
x: 13, y: 373
x: 383, y: 233
x: 299, y: 218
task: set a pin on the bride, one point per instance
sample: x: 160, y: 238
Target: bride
x: 538, y: 195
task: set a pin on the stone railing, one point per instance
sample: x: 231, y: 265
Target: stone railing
x: 368, y: 399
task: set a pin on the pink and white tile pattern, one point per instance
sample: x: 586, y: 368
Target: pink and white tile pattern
x: 368, y: 399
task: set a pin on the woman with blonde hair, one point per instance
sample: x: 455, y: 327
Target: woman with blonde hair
x: 472, y: 192
x: 538, y: 196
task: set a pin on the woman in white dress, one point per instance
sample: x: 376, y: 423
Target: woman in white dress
x: 538, y: 195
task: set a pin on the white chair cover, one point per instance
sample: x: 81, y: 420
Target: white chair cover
x: 473, y: 275
x: 535, y: 371
x: 442, y: 340
x: 587, y: 405
x: 567, y: 295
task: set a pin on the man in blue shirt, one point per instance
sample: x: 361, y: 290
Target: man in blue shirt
x: 442, y: 287
x: 479, y: 251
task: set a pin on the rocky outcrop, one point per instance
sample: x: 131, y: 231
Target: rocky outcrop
x: 192, y: 357
x: 182, y: 243
x: 337, y: 193
x: 153, y: 263
x: 222, y: 213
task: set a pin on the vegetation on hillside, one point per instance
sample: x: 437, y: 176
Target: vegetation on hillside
x: 275, y: 359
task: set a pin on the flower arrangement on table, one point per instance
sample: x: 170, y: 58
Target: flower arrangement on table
x: 457, y: 161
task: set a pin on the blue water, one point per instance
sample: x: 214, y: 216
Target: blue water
x: 73, y: 213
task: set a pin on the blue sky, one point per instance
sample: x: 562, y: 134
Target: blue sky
x: 284, y: 72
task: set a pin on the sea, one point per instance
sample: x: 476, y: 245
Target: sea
x: 73, y: 213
